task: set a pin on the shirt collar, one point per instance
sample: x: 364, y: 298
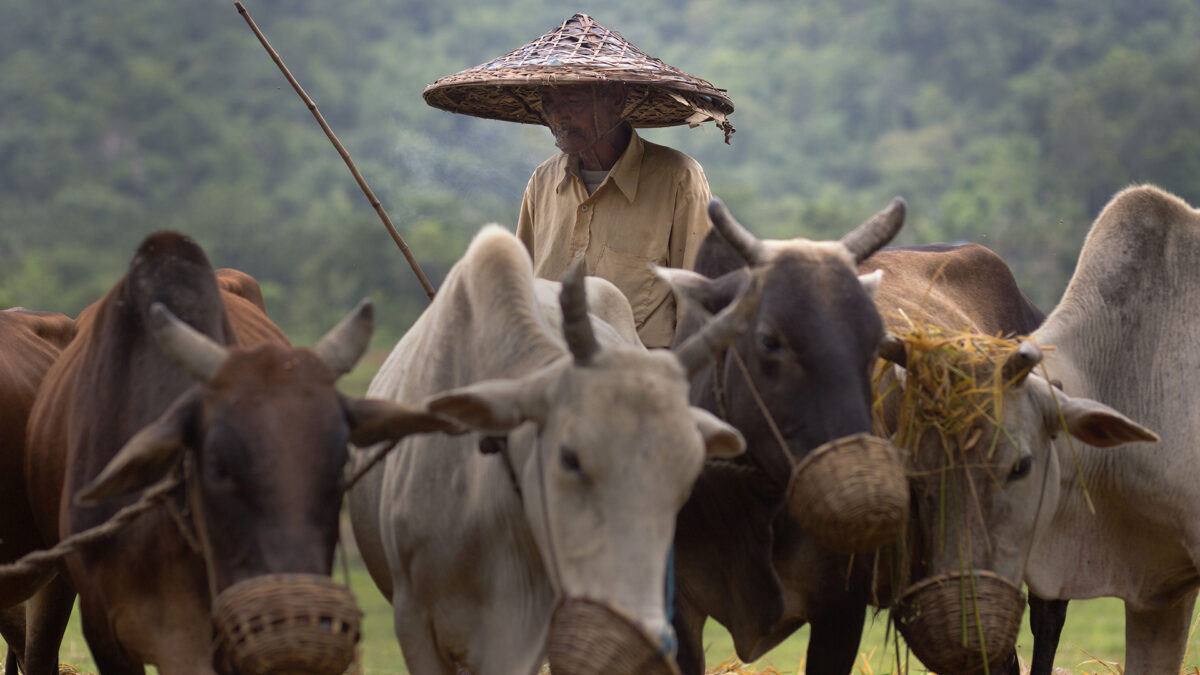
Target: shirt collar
x: 624, y: 173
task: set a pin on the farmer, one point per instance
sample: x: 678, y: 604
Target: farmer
x: 611, y: 198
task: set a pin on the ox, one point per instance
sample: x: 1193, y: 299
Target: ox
x: 957, y: 289
x: 1123, y: 334
x: 259, y: 431
x: 589, y: 450
x: 741, y: 558
x: 29, y: 344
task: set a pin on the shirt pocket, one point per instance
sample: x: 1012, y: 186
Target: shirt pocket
x: 635, y: 278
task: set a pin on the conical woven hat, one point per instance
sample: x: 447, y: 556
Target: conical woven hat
x: 581, y: 51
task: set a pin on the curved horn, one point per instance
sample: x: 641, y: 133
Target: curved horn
x: 698, y: 349
x: 194, y: 351
x: 1022, y: 361
x: 577, y: 326
x: 346, y: 342
x: 891, y: 348
x: 742, y: 240
x: 876, y: 232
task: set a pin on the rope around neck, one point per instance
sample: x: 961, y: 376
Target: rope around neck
x: 37, y: 561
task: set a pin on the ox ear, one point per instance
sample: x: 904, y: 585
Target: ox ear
x: 492, y: 406
x: 720, y: 439
x: 1097, y: 424
x: 148, y: 455
x: 375, y: 420
x: 696, y: 289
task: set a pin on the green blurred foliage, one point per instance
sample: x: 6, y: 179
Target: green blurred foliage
x: 1009, y: 123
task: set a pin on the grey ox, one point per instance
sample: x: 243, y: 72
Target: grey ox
x: 583, y: 450
x: 1125, y: 333
x: 742, y: 557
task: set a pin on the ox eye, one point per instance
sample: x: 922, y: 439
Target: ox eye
x: 769, y: 343
x: 1022, y: 467
x: 570, y: 461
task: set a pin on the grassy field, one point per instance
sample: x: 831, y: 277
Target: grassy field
x: 1093, y: 639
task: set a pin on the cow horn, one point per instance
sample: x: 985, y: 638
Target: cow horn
x: 1022, y: 361
x: 195, y: 352
x: 876, y: 232
x: 891, y: 348
x: 742, y: 240
x: 346, y: 342
x: 696, y: 351
x: 577, y: 326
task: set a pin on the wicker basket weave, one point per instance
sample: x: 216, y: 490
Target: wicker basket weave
x: 592, y: 638
x: 851, y: 494
x: 937, y: 617
x: 287, y: 623
x: 580, y: 51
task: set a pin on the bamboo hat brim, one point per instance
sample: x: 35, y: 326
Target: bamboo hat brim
x: 581, y: 51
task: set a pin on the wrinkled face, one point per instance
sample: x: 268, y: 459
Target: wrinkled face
x: 809, y: 353
x: 270, y: 449
x: 616, y: 459
x: 579, y: 115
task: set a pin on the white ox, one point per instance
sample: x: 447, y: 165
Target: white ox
x: 583, y: 451
x: 1127, y: 333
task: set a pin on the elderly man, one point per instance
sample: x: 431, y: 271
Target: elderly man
x: 610, y: 197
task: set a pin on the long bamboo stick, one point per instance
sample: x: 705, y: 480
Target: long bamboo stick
x: 362, y: 183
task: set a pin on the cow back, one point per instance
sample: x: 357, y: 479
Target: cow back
x: 962, y: 287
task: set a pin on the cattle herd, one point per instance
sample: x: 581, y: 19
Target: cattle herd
x: 527, y: 483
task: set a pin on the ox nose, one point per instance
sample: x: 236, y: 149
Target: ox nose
x: 589, y: 637
x: 667, y: 643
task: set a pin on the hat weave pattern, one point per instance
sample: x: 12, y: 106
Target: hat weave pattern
x: 581, y: 51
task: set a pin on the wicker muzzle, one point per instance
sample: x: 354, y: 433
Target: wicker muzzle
x: 592, y: 638
x: 941, y: 619
x: 287, y: 623
x: 851, y: 494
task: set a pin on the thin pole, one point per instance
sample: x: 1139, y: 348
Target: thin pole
x: 362, y: 183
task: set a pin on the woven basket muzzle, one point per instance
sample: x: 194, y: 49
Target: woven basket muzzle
x: 591, y: 638
x: 937, y: 617
x: 287, y: 623
x: 851, y: 494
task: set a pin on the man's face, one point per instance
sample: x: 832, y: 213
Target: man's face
x: 580, y: 114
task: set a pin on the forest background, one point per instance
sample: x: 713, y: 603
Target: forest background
x: 1009, y: 123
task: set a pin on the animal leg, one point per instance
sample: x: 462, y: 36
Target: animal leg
x: 689, y: 631
x: 1155, y: 640
x: 1046, y: 619
x: 418, y: 643
x: 110, y: 657
x: 47, y: 613
x: 12, y: 629
x: 833, y: 643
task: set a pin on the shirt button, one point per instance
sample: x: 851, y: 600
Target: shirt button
x: 583, y: 208
x: 578, y: 253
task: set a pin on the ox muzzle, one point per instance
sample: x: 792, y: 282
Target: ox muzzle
x: 286, y: 623
x: 961, y: 622
x: 589, y: 637
x: 850, y: 494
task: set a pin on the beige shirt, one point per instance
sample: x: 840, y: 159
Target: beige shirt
x: 652, y: 208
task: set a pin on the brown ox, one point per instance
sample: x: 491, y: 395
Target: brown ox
x: 29, y: 344
x: 262, y: 439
